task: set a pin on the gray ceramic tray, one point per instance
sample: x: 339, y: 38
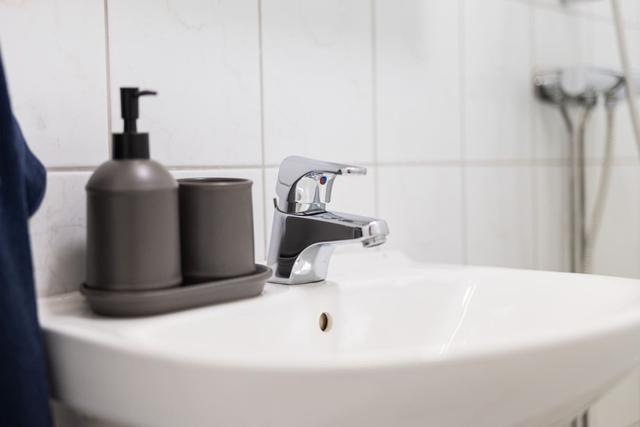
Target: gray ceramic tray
x: 147, y: 303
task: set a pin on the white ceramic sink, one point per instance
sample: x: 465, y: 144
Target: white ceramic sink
x: 408, y: 344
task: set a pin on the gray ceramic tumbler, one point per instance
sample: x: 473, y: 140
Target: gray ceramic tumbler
x: 216, y: 228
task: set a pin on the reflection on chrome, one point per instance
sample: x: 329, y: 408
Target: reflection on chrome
x: 304, y: 233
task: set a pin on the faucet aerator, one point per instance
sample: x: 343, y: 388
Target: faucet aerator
x: 374, y: 241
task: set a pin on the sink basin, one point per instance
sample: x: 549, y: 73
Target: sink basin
x: 385, y: 341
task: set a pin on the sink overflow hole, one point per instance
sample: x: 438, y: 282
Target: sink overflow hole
x: 324, y: 322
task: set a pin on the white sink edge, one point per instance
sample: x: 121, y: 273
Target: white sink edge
x: 77, y: 309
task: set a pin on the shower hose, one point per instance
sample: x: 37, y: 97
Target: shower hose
x: 601, y: 192
x: 587, y: 234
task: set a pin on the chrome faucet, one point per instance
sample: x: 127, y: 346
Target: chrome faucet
x: 304, y: 233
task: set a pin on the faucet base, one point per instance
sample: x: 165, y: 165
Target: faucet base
x: 309, y: 267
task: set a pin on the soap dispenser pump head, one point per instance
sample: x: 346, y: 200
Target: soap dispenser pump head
x: 130, y: 144
x: 129, y: 106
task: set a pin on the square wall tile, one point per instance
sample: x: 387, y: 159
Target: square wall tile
x: 317, y: 79
x: 254, y: 175
x: 552, y: 226
x: 203, y: 59
x: 550, y: 136
x: 500, y: 215
x: 418, y: 80
x: 353, y: 194
x: 424, y: 209
x: 498, y: 95
x: 58, y: 234
x: 618, y: 242
x: 560, y: 39
x: 54, y: 58
x: 605, y: 55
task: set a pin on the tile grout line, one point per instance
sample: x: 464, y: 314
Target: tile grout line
x: 463, y: 135
x: 374, y: 106
x: 107, y: 54
x: 202, y: 167
x: 590, y: 162
x: 262, y: 145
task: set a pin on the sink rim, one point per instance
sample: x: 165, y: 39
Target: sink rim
x: 99, y: 331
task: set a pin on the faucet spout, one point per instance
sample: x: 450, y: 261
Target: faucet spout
x: 302, y: 245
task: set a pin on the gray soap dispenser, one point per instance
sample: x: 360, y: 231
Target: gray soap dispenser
x: 133, y: 240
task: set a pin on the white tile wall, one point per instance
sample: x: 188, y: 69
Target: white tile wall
x: 618, y: 244
x: 551, y: 187
x: 424, y: 209
x: 604, y: 56
x: 418, y: 71
x: 54, y: 55
x: 317, y: 79
x: 433, y: 96
x: 500, y: 216
x: 203, y: 59
x: 497, y: 80
x: 58, y: 233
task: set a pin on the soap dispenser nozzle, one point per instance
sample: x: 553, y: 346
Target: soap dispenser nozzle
x: 129, y: 106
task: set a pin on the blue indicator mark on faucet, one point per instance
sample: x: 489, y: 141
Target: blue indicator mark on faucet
x: 323, y: 180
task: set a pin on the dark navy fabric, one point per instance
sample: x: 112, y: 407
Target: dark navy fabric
x: 23, y: 376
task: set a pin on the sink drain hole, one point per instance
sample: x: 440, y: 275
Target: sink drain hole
x: 324, y: 322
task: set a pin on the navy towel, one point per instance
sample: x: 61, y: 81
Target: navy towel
x: 23, y: 375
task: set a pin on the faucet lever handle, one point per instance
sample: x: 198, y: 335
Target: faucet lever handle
x: 304, y: 185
